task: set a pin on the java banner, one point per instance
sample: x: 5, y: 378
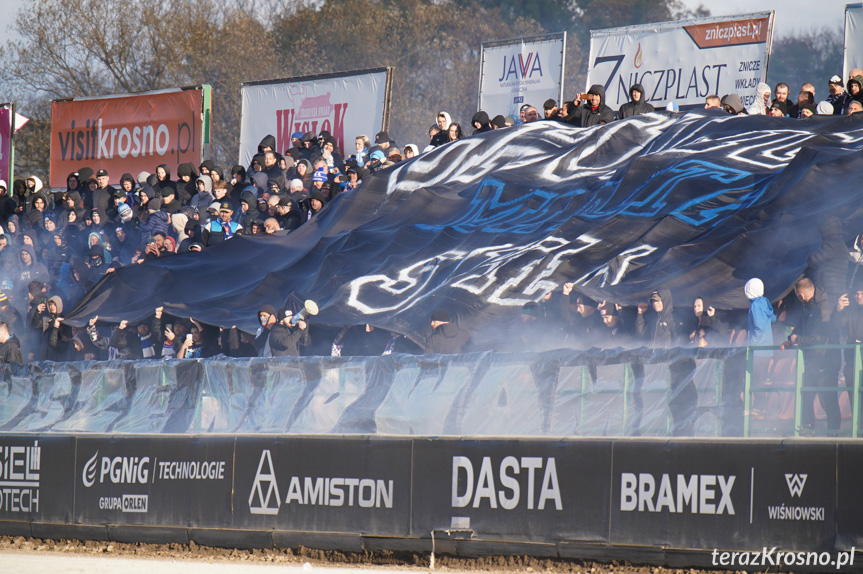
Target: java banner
x: 345, y: 104
x: 521, y: 71
x: 682, y: 62
x: 126, y: 134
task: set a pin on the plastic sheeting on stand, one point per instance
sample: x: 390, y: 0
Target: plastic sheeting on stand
x: 557, y: 393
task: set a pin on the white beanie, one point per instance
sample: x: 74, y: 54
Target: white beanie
x: 754, y: 288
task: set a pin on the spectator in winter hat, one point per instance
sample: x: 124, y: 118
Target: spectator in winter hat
x: 411, y: 151
x: 839, y: 99
x: 825, y: 109
x: 221, y: 229
x: 778, y: 110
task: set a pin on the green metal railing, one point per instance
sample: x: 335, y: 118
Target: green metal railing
x: 798, y: 389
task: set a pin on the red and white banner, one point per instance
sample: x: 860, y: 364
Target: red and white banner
x: 682, y: 62
x: 346, y: 105
x: 6, y: 130
x: 125, y: 134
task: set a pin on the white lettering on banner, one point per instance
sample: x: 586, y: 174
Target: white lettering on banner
x: 697, y: 492
x: 135, y: 502
x: 479, y: 487
x: 783, y: 512
x: 118, y: 470
x: 321, y: 491
x: 20, y: 468
x: 530, y: 279
x: 316, y: 491
x: 126, y: 503
x: 191, y: 470
x: 796, y: 483
x: 109, y: 143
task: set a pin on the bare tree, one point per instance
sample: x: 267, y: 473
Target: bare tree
x: 77, y: 48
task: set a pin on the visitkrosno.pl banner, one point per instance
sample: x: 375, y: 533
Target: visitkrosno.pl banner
x: 345, y: 104
x: 128, y: 133
x: 521, y: 71
x: 682, y: 62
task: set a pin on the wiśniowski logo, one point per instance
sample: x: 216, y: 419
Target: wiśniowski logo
x: 796, y: 483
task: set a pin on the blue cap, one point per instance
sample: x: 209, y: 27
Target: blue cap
x: 319, y: 175
x: 297, y: 135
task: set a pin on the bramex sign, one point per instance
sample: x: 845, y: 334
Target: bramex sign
x: 130, y: 132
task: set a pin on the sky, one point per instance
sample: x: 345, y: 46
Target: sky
x: 791, y: 15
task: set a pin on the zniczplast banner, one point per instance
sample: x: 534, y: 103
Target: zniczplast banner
x: 129, y: 133
x: 521, y: 71
x: 6, y: 130
x: 682, y: 62
x: 345, y: 104
x: 853, y: 38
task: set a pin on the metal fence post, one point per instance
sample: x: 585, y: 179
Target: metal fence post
x: 747, y: 393
x: 798, y: 395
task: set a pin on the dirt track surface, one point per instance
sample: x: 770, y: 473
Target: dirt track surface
x: 312, y: 560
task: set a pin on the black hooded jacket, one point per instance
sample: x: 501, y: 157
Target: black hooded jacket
x: 286, y: 342
x: 447, y: 339
x: 481, y: 118
x: 10, y: 351
x: 658, y: 330
x: 186, y: 190
x: 828, y: 267
x: 160, y: 185
x: 815, y: 326
x: 633, y: 108
x: 587, y: 116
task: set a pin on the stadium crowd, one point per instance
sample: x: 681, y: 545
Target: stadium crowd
x: 55, y: 246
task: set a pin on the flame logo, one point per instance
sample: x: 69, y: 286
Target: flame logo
x: 637, y: 59
x: 89, y: 473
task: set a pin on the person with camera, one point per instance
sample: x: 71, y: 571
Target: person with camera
x: 592, y: 110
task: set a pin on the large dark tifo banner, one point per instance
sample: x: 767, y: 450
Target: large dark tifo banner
x: 695, y: 204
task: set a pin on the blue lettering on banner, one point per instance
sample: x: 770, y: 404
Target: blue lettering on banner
x: 518, y: 100
x: 520, y: 67
x: 491, y: 211
x: 697, y: 211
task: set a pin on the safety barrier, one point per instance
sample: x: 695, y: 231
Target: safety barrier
x: 662, y: 501
x: 556, y: 393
